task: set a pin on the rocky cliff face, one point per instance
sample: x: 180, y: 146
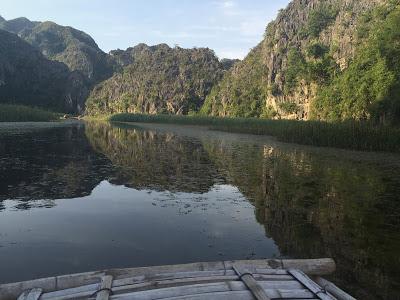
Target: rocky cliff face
x: 320, y: 32
x: 27, y: 77
x: 157, y: 79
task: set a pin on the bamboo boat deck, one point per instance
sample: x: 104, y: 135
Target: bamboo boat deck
x: 230, y: 280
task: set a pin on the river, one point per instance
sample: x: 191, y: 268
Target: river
x: 78, y: 197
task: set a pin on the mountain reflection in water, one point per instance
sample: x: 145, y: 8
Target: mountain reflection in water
x: 89, y: 196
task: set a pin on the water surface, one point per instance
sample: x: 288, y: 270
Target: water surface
x: 76, y: 197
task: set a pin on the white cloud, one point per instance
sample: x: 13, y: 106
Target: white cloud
x: 232, y: 53
x: 253, y: 27
x: 228, y: 4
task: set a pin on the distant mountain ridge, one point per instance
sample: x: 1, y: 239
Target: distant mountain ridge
x: 64, y: 44
x: 27, y: 77
x: 187, y: 75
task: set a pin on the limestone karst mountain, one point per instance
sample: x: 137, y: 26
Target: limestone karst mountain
x: 27, y: 77
x: 296, y: 71
x: 157, y: 79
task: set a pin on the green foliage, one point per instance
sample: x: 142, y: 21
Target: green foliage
x: 289, y: 107
x: 20, y: 113
x: 227, y: 63
x: 275, y: 90
x: 241, y: 93
x: 317, y: 50
x: 369, y: 88
x: 297, y: 67
x: 158, y: 79
x: 350, y: 135
x: 318, y: 67
x: 320, y: 18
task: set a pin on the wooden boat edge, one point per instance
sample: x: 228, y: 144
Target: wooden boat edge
x: 312, y: 267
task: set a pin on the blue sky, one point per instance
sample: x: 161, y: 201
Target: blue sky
x: 230, y: 27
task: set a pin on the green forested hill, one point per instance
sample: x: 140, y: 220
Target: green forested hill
x: 27, y: 77
x: 157, y: 79
x: 330, y: 60
x: 64, y: 44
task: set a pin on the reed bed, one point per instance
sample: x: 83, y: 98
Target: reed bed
x: 20, y: 113
x: 363, y: 136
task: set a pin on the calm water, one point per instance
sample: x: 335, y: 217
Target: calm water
x: 78, y: 197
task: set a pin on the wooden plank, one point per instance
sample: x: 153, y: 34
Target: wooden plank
x: 270, y: 271
x: 86, y: 289
x: 33, y: 294
x: 105, y: 288
x: 333, y: 289
x: 230, y: 276
x: 251, y: 284
x: 232, y: 295
x: 182, y: 281
x: 91, y: 289
x: 311, y: 285
x: 239, y: 295
x: 317, y: 267
x: 13, y: 290
x: 212, y: 288
x: 311, y: 267
x: 179, y: 282
x: 23, y: 295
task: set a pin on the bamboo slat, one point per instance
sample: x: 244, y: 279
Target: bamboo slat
x: 33, y: 294
x: 311, y: 285
x: 333, y: 289
x: 316, y: 267
x: 105, y: 288
x: 248, y: 279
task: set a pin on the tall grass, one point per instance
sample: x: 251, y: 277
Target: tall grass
x: 346, y: 135
x: 20, y: 113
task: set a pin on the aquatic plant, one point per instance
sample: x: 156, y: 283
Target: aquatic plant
x: 365, y: 136
x: 21, y: 113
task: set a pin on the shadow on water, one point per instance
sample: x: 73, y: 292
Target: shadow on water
x: 309, y: 202
x: 48, y: 163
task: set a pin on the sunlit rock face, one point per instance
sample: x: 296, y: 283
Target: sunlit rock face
x: 258, y: 86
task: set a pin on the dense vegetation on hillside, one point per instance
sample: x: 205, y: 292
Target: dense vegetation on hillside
x: 246, y: 93
x: 28, y: 78
x: 157, y: 79
x: 64, y: 44
x: 329, y: 60
x: 370, y: 87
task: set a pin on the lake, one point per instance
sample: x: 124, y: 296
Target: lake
x: 78, y: 197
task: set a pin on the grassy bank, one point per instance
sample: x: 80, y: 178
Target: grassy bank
x: 20, y: 113
x: 346, y: 135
